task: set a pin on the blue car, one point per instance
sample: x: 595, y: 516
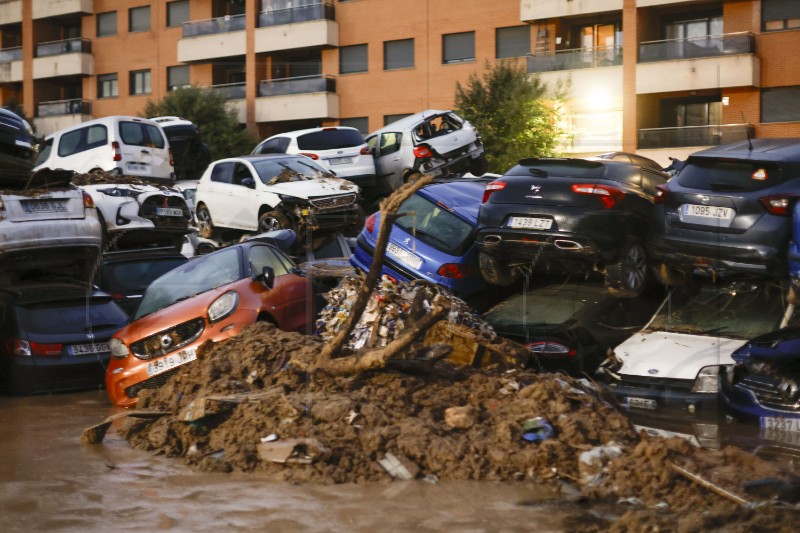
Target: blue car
x: 435, y: 241
x: 764, y: 384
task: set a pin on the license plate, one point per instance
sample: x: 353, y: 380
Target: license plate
x: 404, y: 257
x: 137, y: 166
x: 84, y: 349
x: 530, y: 223
x: 640, y: 403
x: 785, y: 437
x: 779, y: 423
x: 168, y: 362
x: 169, y: 212
x: 708, y: 211
x: 44, y: 206
x: 340, y: 160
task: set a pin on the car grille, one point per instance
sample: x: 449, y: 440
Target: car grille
x: 330, y: 202
x: 768, y: 395
x: 168, y: 340
x: 152, y: 383
x: 149, y: 206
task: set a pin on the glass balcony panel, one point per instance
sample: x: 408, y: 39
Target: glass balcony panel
x: 277, y: 17
x: 706, y: 46
x: 75, y: 106
x: 218, y: 25
x: 7, y: 55
x: 67, y: 46
x: 712, y: 135
x: 298, y: 85
x: 231, y: 91
x: 576, y: 58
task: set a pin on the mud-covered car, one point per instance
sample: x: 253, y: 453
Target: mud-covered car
x: 436, y: 142
x: 275, y: 191
x: 17, y: 148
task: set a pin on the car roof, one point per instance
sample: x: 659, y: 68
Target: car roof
x: 139, y: 254
x: 776, y: 149
x: 298, y: 133
x: 463, y: 195
x: 103, y: 120
x: 410, y: 121
x: 172, y: 121
x: 260, y: 157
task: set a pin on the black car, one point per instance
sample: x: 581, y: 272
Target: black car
x: 125, y: 275
x: 16, y: 148
x: 570, y: 325
x: 55, y: 336
x: 568, y: 213
x: 728, y: 211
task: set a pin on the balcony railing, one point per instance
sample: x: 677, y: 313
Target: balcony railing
x: 707, y: 46
x: 291, y: 15
x: 212, y: 26
x: 7, y: 55
x: 299, y: 85
x: 68, y: 46
x: 694, y: 135
x: 231, y: 91
x: 75, y: 106
x: 602, y: 56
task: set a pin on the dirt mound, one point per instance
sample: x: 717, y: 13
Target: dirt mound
x: 452, y: 422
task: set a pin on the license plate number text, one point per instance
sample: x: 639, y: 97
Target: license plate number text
x: 171, y: 361
x: 530, y: 223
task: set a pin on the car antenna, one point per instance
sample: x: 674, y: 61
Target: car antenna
x: 746, y: 129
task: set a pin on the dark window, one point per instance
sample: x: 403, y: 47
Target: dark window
x: 359, y: 123
x: 82, y: 139
x: 329, y: 140
x: 69, y: 316
x: 436, y: 226
x: 140, y: 82
x: 107, y: 24
x: 458, y: 47
x: 388, y: 119
x: 353, y: 59
x: 177, y: 77
x: 738, y: 176
x: 96, y: 135
x: 513, y: 42
x: 277, y: 145
x: 398, y: 54
x: 780, y: 15
x: 135, y: 276
x: 139, y: 19
x: 223, y: 173
x: 140, y: 134
x: 177, y: 13
x: 390, y: 142
x: 780, y: 104
x: 107, y: 86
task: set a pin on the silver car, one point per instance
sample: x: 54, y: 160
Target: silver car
x: 430, y: 142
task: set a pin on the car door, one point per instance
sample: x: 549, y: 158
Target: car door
x: 242, y: 200
x: 215, y: 193
x: 289, y: 300
x: 385, y: 149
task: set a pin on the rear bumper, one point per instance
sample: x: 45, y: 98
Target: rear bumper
x: 50, y: 234
x: 520, y: 246
x: 38, y: 375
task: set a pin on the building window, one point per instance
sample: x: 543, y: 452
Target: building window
x: 107, y: 24
x: 780, y: 104
x: 353, y: 59
x: 458, y: 47
x: 177, y: 13
x: 107, y: 86
x: 359, y: 123
x: 139, y: 19
x: 388, y: 119
x: 177, y: 77
x: 513, y: 42
x: 140, y: 82
x: 780, y: 15
x: 398, y: 54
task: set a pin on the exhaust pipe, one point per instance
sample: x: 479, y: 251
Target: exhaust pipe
x: 563, y: 244
x: 492, y: 239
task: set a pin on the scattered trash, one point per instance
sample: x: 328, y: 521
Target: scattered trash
x: 430, y: 478
x: 633, y: 502
x: 592, y: 463
x: 399, y: 469
x: 536, y: 430
x: 270, y: 438
x: 96, y: 433
x: 300, y: 451
x: 709, y: 485
x: 462, y: 417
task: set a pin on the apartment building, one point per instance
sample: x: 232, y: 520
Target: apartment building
x: 658, y: 77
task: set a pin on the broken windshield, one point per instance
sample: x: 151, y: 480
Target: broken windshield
x: 281, y: 170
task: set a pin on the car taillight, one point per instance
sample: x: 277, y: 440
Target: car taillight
x: 455, y: 271
x: 609, y: 196
x: 369, y: 224
x: 171, y: 159
x: 778, y: 205
x: 491, y: 187
x: 48, y: 350
x: 17, y: 347
x: 115, y: 149
x: 117, y: 296
x: 551, y: 348
x: 661, y: 194
x: 310, y: 156
x: 422, y: 152
x: 24, y: 348
x: 88, y: 201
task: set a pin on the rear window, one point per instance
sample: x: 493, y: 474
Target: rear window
x: 722, y: 175
x: 140, y: 134
x: 562, y: 168
x: 135, y: 276
x: 180, y: 133
x: 435, y: 226
x: 330, y: 140
x: 73, y: 316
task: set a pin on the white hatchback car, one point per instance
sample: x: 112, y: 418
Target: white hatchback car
x: 339, y: 148
x: 275, y: 191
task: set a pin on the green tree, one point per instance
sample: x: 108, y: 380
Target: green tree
x: 513, y: 112
x: 218, y: 124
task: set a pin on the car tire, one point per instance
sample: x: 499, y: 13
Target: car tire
x: 273, y: 220
x: 496, y: 273
x: 204, y: 223
x: 412, y: 177
x: 478, y: 166
x: 627, y: 277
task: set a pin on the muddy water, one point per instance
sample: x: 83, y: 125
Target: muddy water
x: 50, y: 481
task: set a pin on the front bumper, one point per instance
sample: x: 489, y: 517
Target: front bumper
x: 642, y: 394
x: 39, y: 375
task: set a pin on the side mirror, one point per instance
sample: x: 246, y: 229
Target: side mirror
x: 250, y: 183
x: 267, y: 277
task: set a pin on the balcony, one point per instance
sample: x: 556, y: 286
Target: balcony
x: 11, y: 65
x: 577, y: 58
x: 311, y: 26
x: 10, y: 12
x: 697, y: 47
x: 304, y: 97
x: 293, y: 15
x: 712, y: 135
x: 545, y: 9
x: 75, y: 106
x: 204, y: 40
x: 42, y: 9
x: 231, y: 91
x: 71, y: 57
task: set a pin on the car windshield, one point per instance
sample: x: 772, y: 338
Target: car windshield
x: 739, y: 310
x: 73, y: 316
x: 274, y: 170
x: 136, y: 276
x: 195, y: 277
x: 734, y: 176
x: 435, y: 225
x: 330, y: 139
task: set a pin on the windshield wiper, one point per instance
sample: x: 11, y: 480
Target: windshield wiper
x: 423, y: 233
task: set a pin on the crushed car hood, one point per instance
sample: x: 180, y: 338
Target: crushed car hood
x: 312, y: 188
x: 662, y: 354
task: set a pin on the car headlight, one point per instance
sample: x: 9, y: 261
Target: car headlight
x: 707, y: 380
x: 292, y: 200
x: 118, y: 348
x: 223, y: 306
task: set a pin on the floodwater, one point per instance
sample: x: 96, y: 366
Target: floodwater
x: 51, y: 481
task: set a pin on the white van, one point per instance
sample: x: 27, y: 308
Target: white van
x: 125, y: 145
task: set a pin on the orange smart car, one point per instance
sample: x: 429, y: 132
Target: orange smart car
x: 212, y: 297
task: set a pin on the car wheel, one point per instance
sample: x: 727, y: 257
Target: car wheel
x: 478, y: 166
x: 412, y: 177
x: 495, y: 272
x: 273, y: 220
x: 204, y: 224
x: 627, y: 277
